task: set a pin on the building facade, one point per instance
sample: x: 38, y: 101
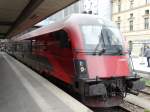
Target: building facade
x: 102, y: 8
x: 133, y: 17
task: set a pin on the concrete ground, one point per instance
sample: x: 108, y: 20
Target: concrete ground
x: 22, y: 90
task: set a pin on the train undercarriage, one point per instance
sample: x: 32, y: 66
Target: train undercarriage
x: 108, y: 92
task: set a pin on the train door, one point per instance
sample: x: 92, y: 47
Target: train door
x: 65, y: 55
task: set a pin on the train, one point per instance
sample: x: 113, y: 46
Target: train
x: 85, y: 52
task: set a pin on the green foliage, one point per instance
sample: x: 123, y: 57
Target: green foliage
x: 147, y: 81
x: 146, y: 110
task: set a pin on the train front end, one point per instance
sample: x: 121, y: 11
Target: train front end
x: 103, y: 71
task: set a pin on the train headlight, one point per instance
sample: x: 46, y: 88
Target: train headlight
x: 80, y: 66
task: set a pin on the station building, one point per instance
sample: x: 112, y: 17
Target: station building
x: 132, y: 17
x: 102, y: 8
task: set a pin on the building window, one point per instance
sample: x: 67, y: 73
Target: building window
x: 146, y: 12
x: 66, y: 12
x: 147, y: 1
x: 146, y: 19
x: 76, y: 7
x: 131, y: 16
x: 131, y: 22
x: 131, y: 3
x: 146, y: 23
x: 131, y: 25
x: 119, y: 5
x: 118, y: 22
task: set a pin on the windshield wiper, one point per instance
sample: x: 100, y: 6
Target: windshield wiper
x: 115, y: 51
x: 119, y: 50
x: 100, y: 52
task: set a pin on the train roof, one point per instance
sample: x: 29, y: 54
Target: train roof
x: 79, y: 19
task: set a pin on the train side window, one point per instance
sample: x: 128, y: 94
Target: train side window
x: 64, y: 40
x: 34, y: 45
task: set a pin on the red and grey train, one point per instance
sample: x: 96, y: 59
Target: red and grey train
x: 83, y: 51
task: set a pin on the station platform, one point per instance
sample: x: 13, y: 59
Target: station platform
x: 23, y: 90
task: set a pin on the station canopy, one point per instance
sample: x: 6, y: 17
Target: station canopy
x: 19, y: 15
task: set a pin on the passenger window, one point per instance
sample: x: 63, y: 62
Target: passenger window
x: 64, y: 40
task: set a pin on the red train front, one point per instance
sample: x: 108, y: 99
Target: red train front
x: 86, y: 52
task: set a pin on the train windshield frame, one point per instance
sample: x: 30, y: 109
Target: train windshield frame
x: 108, y: 37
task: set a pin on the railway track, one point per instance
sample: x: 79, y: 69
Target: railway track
x: 130, y: 107
x: 145, y: 75
x: 145, y: 93
x: 127, y: 106
x: 124, y: 107
x: 146, y: 90
x: 113, y: 109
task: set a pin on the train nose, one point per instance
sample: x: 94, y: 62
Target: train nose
x: 107, y: 66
